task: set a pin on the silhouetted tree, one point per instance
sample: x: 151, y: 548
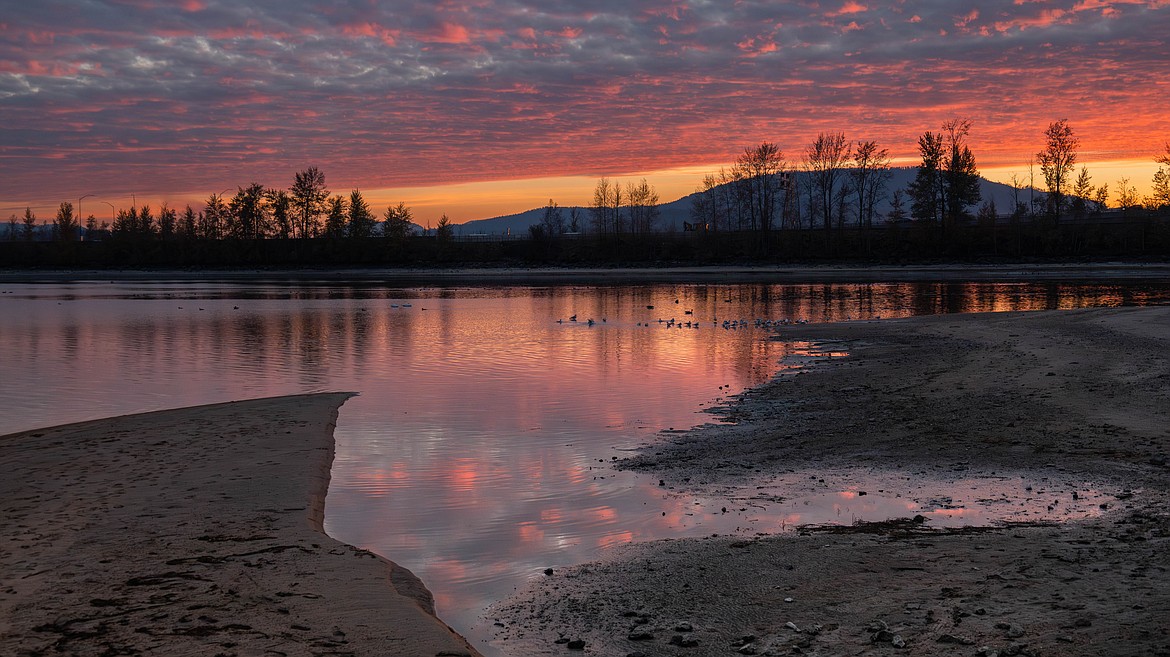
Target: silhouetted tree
x: 12, y: 221
x: 167, y: 221
x: 642, y: 201
x: 1056, y: 163
x: 250, y: 216
x: 606, y: 197
x: 279, y: 203
x: 574, y: 220
x: 825, y: 160
x: 189, y: 224
x: 335, y: 220
x: 1101, y: 198
x: 30, y: 224
x: 926, y: 188
x: 215, y: 214
x: 960, y: 175
x: 760, y: 172
x: 897, y: 208
x: 1160, y: 190
x: 397, y: 222
x: 444, y: 231
x: 65, y: 225
x: 947, y: 181
x: 1127, y: 195
x: 871, y: 172
x: 309, y: 200
x: 1082, y: 194
x: 552, y: 220
x: 147, y: 224
x: 361, y: 218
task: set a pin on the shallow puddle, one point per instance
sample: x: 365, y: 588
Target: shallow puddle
x: 846, y: 497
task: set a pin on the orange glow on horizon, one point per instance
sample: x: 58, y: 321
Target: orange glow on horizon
x: 463, y: 202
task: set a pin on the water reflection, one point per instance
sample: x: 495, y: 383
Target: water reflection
x: 477, y: 451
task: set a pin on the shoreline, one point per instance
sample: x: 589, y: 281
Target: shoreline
x: 196, y: 531
x: 1071, y: 403
x: 801, y: 273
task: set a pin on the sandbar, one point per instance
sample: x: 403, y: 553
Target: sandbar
x: 195, y: 531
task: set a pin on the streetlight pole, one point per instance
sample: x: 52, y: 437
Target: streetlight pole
x: 79, y: 212
x: 113, y: 219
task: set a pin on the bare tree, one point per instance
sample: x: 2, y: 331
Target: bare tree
x: 761, y: 172
x: 601, y: 209
x: 871, y: 172
x: 643, y: 202
x: 825, y: 160
x: 1127, y: 195
x: 1056, y: 163
x: 552, y: 221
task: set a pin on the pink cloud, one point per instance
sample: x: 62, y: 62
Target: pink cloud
x: 850, y: 7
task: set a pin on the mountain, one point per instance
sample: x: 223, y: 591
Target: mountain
x: 673, y: 214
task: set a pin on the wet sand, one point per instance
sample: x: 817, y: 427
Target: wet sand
x: 1076, y: 400
x: 195, y: 532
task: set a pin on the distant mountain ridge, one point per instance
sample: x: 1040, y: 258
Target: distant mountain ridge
x: 673, y: 214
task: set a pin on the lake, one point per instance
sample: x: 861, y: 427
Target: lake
x: 477, y: 451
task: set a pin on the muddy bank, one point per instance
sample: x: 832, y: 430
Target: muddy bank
x: 195, y: 532
x: 1075, y: 400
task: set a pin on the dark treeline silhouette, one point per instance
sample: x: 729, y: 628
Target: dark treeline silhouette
x: 824, y: 207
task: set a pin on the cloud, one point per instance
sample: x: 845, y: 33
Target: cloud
x: 197, y: 95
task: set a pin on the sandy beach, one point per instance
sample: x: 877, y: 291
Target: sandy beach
x: 1074, y: 403
x: 195, y: 532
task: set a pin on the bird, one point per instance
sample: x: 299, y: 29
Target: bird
x: 573, y: 318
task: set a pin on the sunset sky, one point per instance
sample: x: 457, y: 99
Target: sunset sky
x: 484, y: 107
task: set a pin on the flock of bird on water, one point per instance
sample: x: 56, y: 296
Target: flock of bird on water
x: 728, y: 324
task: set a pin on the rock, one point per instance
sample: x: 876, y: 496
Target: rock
x: 987, y: 651
x: 792, y: 626
x: 577, y: 644
x: 951, y: 638
x: 640, y: 636
x: 1015, y: 632
x: 743, y: 641
x: 683, y: 641
x: 684, y: 627
x: 1082, y: 622
x: 898, y: 641
x: 789, y: 600
x: 548, y: 571
x: 878, y: 626
x: 881, y: 636
x: 749, y: 649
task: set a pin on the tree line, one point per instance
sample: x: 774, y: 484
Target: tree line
x: 836, y: 182
x: 305, y: 210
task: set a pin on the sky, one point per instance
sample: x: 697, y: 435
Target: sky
x: 478, y: 108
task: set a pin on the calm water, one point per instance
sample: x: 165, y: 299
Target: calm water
x: 476, y: 452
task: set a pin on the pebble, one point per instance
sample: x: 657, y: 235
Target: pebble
x: 792, y: 626
x: 951, y: 638
x: 640, y: 636
x: 683, y: 641
x: 684, y: 627
x: 898, y: 641
x: 577, y: 644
